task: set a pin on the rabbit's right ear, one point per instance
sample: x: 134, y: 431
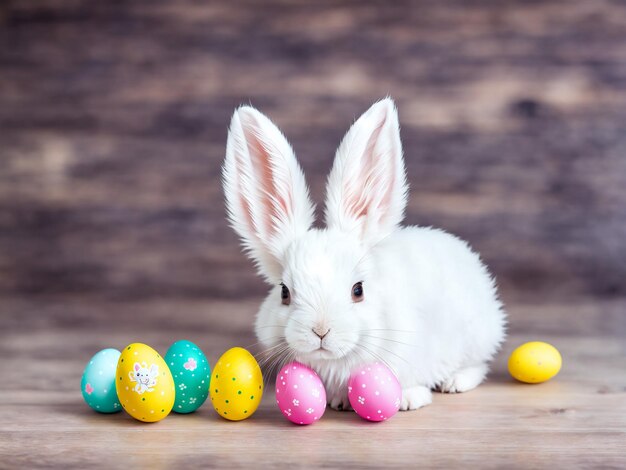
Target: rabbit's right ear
x: 367, y: 191
x: 267, y: 199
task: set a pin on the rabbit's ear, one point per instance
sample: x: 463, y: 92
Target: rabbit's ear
x: 137, y: 366
x: 267, y: 198
x: 367, y: 192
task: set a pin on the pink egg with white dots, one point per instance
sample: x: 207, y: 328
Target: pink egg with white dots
x: 300, y: 394
x: 374, y: 392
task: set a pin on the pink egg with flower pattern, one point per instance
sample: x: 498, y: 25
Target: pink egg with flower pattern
x: 374, y: 392
x: 300, y: 394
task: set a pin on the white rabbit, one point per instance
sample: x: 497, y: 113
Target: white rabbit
x: 364, y: 289
x: 145, y: 378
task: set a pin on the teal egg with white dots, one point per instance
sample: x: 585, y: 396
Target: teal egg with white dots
x: 192, y: 373
x: 98, y: 382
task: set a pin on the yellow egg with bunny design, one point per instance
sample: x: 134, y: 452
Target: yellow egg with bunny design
x: 144, y: 383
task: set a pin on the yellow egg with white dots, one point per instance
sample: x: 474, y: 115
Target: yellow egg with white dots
x: 236, y: 385
x: 144, y: 383
x: 535, y: 362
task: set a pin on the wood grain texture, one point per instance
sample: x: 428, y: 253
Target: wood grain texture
x: 113, y: 119
x: 578, y: 420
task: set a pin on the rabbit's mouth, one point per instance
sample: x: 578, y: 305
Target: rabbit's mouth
x: 329, y: 354
x: 144, y: 382
x: 323, y: 353
x: 309, y: 345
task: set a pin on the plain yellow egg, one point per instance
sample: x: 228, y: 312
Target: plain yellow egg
x: 144, y: 383
x: 535, y: 362
x: 236, y: 385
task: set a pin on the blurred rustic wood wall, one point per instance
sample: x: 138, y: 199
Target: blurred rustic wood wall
x: 113, y: 120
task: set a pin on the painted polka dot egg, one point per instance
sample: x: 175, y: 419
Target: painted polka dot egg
x: 236, y: 385
x: 300, y: 394
x: 192, y: 374
x: 98, y: 382
x: 144, y: 383
x: 535, y: 362
x: 374, y: 392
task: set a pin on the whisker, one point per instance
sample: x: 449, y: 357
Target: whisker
x: 285, y: 358
x: 376, y: 356
x: 390, y: 340
x: 272, y: 350
x: 389, y: 352
x: 268, y: 353
x: 388, y: 329
x: 271, y: 338
x: 272, y: 361
x: 300, y: 323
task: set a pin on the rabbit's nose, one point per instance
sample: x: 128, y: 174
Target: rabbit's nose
x: 320, y: 331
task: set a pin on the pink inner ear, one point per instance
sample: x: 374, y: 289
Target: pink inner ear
x: 245, y: 206
x: 386, y: 201
x: 371, y: 178
x: 137, y: 366
x: 260, y: 158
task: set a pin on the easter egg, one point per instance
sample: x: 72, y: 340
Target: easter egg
x: 144, y: 383
x: 98, y: 382
x: 236, y: 385
x: 300, y: 394
x: 374, y: 392
x: 535, y: 362
x: 191, y: 373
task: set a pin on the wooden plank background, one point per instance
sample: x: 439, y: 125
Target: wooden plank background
x: 113, y: 119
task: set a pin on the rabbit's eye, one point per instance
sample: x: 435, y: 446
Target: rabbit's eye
x: 285, y: 295
x: 357, y: 292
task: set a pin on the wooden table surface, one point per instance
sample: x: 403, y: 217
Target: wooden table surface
x: 577, y: 420
x: 113, y: 118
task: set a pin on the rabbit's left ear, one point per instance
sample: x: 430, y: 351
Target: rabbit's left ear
x: 367, y: 192
x: 267, y: 198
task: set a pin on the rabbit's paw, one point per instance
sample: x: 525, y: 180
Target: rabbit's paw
x: 464, y: 379
x: 340, y: 402
x: 415, y: 397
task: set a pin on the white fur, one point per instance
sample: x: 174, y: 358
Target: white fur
x: 430, y: 309
x: 267, y: 199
